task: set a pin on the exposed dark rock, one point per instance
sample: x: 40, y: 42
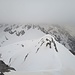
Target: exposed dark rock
x: 54, y: 45
x: 22, y: 32
x: 71, y: 42
x: 5, y: 68
x: 37, y: 50
x: 22, y: 45
x: 18, y: 33
x: 0, y: 55
x: 7, y: 29
x: 58, y: 38
x: 12, y: 32
x: 73, y: 52
x: 48, y: 43
x: 26, y: 56
x: 1, y: 73
x: 29, y: 26
x: 6, y: 38
x: 9, y: 60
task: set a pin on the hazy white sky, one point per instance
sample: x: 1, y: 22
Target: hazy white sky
x: 37, y: 11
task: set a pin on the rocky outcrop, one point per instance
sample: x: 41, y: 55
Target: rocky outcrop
x: 5, y: 68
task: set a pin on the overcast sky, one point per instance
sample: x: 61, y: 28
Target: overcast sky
x: 37, y: 11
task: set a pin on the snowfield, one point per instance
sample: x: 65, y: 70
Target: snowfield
x: 32, y: 52
x: 31, y: 55
x: 35, y: 56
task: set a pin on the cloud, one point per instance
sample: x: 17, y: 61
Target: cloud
x: 37, y: 11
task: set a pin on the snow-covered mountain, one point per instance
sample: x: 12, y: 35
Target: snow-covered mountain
x: 37, y: 55
x: 62, y: 35
x: 31, y: 55
x: 31, y: 48
x: 13, y: 33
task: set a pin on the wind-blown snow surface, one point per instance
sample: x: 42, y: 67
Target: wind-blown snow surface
x: 36, y: 56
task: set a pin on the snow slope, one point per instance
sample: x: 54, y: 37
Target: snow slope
x: 31, y: 53
x: 11, y: 34
x: 26, y: 54
x: 33, y: 56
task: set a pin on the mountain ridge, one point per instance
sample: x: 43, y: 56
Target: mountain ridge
x: 19, y: 31
x: 35, y: 51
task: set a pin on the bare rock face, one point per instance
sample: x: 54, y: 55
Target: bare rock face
x: 5, y: 68
x: 1, y: 73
